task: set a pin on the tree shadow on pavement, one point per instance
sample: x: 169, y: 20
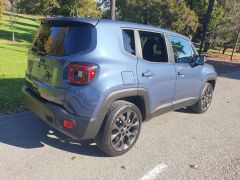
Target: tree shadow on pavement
x: 25, y: 130
x: 233, y: 75
x: 225, y: 69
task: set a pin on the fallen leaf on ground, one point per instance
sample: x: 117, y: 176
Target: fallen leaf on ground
x: 124, y: 167
x: 194, y: 166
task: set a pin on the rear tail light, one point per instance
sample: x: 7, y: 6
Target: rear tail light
x: 68, y: 124
x: 81, y: 74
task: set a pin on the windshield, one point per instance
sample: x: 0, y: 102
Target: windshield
x: 62, y: 41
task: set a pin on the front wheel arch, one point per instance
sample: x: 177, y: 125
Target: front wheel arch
x: 212, y: 80
x: 198, y: 107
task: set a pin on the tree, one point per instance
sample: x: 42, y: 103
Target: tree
x: 190, y: 3
x: 50, y: 7
x: 171, y: 14
x: 227, y: 32
x: 208, y: 17
x: 105, y: 5
x: 224, y: 37
x: 235, y: 14
x: 12, y: 17
x: 12, y: 21
x: 235, y: 44
x: 113, y: 9
x: 64, y: 9
x: 85, y: 8
x: 200, y: 8
x: 31, y: 7
x: 2, y: 6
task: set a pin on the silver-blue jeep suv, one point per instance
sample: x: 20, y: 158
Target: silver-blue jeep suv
x: 100, y: 79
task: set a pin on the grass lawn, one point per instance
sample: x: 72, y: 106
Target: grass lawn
x: 228, y: 52
x: 13, y: 60
x: 215, y: 54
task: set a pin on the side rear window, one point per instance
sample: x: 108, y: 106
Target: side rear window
x: 182, y: 49
x: 128, y: 41
x: 153, y: 46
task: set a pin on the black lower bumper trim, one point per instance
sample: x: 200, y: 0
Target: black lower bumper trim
x: 54, y: 115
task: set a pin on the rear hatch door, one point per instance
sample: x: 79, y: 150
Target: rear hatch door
x: 58, y: 42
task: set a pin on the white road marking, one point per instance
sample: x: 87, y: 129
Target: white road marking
x: 154, y: 172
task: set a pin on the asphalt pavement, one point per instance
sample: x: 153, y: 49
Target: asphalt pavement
x: 176, y: 145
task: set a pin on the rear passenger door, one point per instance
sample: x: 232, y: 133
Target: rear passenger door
x: 155, y: 72
x: 189, y: 77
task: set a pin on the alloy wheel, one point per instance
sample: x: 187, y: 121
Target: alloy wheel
x: 207, y: 98
x: 125, y: 130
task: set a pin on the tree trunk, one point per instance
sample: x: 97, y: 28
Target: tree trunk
x: 235, y: 46
x: 206, y: 47
x: 190, y: 2
x: 224, y: 50
x: 113, y: 9
x: 207, y: 19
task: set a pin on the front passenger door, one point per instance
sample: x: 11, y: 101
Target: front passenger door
x: 188, y: 77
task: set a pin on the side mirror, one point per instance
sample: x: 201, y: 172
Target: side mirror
x: 200, y: 60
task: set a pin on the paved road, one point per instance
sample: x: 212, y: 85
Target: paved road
x: 224, y: 67
x: 168, y: 145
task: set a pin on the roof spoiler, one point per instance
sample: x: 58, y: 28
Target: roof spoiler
x: 69, y: 21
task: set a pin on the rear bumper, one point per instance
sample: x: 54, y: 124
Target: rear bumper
x: 54, y: 115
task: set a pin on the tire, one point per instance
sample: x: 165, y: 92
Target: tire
x: 204, y: 101
x: 121, y: 128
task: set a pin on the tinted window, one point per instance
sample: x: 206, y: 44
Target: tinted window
x: 153, y: 47
x: 62, y: 41
x: 182, y: 50
x: 128, y: 40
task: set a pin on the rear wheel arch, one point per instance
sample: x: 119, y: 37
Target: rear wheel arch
x: 139, y: 102
x: 137, y: 96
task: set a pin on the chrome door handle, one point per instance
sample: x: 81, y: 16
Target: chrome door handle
x: 148, y: 74
x: 180, y: 74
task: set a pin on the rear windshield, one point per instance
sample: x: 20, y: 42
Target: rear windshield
x: 62, y: 41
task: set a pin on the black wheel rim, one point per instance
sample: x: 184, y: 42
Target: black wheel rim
x: 207, y: 98
x: 125, y: 130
